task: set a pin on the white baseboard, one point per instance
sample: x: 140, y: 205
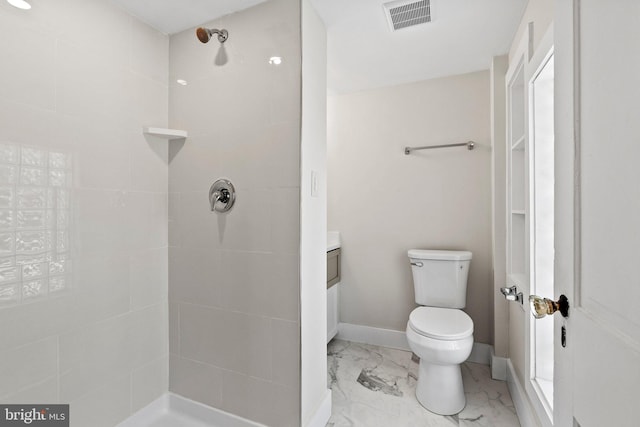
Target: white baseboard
x: 481, y: 353
x: 375, y: 336
x: 519, y: 397
x: 323, y: 413
x: 499, y: 367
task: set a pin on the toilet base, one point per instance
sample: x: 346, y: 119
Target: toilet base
x: 440, y: 389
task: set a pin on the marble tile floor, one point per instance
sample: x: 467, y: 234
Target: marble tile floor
x: 375, y: 387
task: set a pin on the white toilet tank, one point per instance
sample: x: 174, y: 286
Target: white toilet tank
x: 440, y: 277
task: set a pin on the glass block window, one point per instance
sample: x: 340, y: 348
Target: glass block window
x: 35, y: 212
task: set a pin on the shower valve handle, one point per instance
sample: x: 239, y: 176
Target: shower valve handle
x: 222, y: 196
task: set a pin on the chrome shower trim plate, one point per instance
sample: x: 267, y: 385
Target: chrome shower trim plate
x: 222, y: 195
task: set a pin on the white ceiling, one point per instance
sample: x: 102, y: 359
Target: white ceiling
x: 363, y: 53
x: 173, y: 16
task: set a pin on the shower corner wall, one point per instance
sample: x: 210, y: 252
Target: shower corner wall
x: 94, y: 333
x: 234, y: 278
x: 83, y: 210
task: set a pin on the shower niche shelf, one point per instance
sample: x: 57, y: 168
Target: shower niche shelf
x: 165, y: 133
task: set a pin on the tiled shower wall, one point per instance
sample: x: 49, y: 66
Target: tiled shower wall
x: 83, y: 210
x: 234, y: 278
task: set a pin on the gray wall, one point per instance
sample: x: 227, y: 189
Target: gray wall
x: 384, y: 202
x: 83, y: 295
x: 234, y: 278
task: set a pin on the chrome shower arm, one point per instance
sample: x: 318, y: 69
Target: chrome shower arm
x: 223, y: 35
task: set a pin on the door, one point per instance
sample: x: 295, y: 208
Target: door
x: 597, y: 223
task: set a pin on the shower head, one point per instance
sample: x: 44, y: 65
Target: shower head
x: 205, y: 34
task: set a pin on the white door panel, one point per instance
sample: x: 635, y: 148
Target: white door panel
x: 606, y: 375
x: 599, y: 118
x: 610, y: 154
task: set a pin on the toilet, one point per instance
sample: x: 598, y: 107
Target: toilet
x: 438, y: 331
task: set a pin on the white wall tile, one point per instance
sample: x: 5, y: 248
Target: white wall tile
x: 149, y: 382
x: 195, y: 380
x: 193, y: 106
x: 81, y: 79
x: 150, y: 53
x: 28, y: 365
x: 264, y: 284
x: 102, y: 228
x: 147, y: 335
x: 16, y: 125
x: 283, y: 141
x: 92, y: 355
x: 245, y: 229
x: 101, y: 287
x: 253, y: 155
x: 149, y: 163
x: 259, y: 400
x: 102, y: 165
x: 195, y: 165
x: 104, y: 407
x: 285, y: 222
x: 174, y: 202
x: 243, y: 119
x: 46, y: 391
x: 146, y: 224
x: 110, y: 35
x: 197, y: 226
x: 174, y: 328
x: 25, y: 324
x: 149, y: 278
x: 85, y: 76
x: 27, y: 65
x: 153, y: 111
x: 226, y: 339
x: 194, y: 275
x: 174, y: 235
x: 286, y: 360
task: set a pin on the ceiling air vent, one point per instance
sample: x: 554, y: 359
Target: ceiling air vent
x: 407, y: 13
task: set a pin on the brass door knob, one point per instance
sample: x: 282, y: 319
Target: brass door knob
x: 541, y: 307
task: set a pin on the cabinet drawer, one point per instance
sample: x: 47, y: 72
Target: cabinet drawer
x: 333, y: 267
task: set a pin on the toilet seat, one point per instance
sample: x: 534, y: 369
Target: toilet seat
x: 446, y: 324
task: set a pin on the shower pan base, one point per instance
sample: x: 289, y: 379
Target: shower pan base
x: 171, y: 410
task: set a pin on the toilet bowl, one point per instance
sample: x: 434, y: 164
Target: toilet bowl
x: 443, y: 339
x: 439, y: 332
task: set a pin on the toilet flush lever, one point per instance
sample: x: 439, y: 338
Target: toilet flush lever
x: 417, y: 264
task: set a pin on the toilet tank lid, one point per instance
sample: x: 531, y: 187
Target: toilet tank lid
x: 439, y: 255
